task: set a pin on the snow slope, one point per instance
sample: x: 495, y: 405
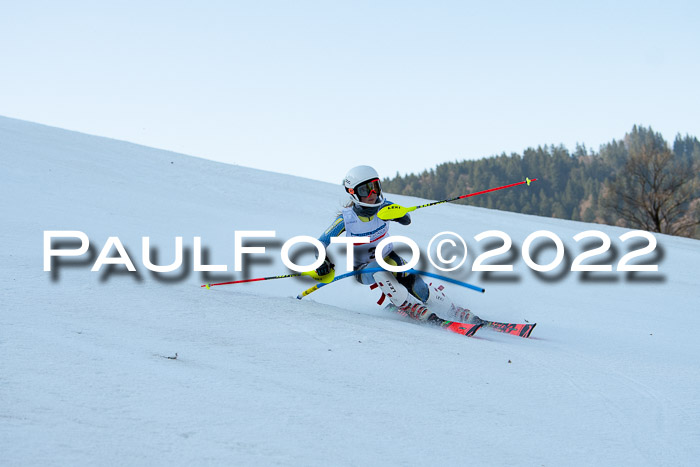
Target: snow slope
x: 609, y: 377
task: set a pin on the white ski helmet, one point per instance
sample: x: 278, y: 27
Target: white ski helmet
x: 361, y: 181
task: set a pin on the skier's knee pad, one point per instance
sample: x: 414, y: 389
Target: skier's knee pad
x: 390, y: 286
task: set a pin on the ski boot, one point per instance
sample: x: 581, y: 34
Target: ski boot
x: 400, y: 297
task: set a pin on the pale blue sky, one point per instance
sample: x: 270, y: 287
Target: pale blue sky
x: 312, y: 88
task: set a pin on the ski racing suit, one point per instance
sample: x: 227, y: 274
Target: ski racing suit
x: 352, y: 221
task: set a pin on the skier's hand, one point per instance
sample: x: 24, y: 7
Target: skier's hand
x: 405, y: 220
x: 325, y: 268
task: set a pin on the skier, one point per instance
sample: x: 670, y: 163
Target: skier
x: 358, y: 219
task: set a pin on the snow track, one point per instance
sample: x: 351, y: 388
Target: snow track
x: 97, y: 367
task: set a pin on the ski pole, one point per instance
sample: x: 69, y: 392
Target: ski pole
x: 412, y: 271
x: 342, y: 276
x: 395, y: 211
x: 327, y: 278
x: 447, y: 279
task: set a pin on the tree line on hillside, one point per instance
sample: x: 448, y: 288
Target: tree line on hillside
x: 638, y: 182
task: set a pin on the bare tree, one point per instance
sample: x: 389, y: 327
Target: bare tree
x: 655, y: 191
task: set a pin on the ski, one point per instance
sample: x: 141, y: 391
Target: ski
x: 469, y: 329
x: 522, y: 330
x: 459, y: 328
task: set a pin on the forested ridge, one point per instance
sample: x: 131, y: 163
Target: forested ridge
x: 639, y: 181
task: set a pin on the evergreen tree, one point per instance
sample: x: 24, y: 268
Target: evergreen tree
x: 569, y: 184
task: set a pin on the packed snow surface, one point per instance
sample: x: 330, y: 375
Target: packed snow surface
x: 144, y: 368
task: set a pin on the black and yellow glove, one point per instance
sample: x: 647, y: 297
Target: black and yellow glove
x: 326, y: 268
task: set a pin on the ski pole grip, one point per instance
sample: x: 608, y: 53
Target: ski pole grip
x: 307, y: 292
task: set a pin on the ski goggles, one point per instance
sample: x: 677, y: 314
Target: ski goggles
x: 365, y: 189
